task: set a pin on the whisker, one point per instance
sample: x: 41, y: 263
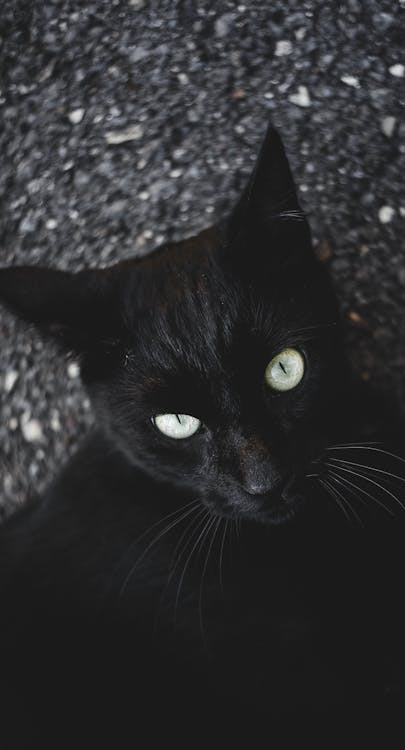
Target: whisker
x: 367, y: 479
x: 152, y: 543
x: 221, y: 554
x: 331, y: 492
x: 369, y: 468
x: 367, y: 447
x: 358, y: 444
x: 201, y: 535
x: 177, y: 552
x: 345, y: 500
x: 359, y: 489
x: 161, y: 520
x: 215, y: 522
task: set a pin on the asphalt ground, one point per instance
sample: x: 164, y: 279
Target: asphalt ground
x: 125, y: 123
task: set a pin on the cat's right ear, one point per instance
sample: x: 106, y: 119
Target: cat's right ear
x: 78, y: 310
x: 268, y: 218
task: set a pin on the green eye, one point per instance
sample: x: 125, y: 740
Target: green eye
x: 285, y: 370
x: 177, y: 426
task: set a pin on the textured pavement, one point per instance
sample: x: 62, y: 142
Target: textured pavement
x: 126, y: 123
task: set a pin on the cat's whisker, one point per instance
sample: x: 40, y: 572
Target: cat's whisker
x: 345, y: 500
x: 201, y: 535
x: 368, y: 468
x: 221, y: 554
x: 161, y: 520
x: 368, y: 479
x: 359, y: 444
x: 178, y: 551
x: 368, y: 447
x: 332, y: 494
x: 215, y: 523
x: 152, y: 544
x: 364, y: 492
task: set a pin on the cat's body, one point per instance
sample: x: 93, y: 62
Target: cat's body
x: 131, y: 608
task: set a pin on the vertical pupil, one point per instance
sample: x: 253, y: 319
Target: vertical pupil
x: 178, y: 418
x: 283, y: 368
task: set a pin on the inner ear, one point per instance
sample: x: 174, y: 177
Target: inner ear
x: 78, y: 310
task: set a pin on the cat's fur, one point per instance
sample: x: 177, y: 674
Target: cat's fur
x: 127, y: 611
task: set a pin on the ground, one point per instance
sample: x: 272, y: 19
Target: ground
x: 128, y: 122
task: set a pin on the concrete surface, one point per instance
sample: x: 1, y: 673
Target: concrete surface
x: 128, y: 122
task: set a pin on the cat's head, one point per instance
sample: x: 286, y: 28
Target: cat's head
x: 214, y: 363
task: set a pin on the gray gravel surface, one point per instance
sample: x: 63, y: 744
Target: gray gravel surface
x: 125, y: 123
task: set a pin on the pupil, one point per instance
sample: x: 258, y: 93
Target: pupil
x: 178, y: 418
x: 283, y: 368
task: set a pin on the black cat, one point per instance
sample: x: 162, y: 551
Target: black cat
x: 224, y: 554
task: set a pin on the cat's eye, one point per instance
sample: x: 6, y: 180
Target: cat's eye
x: 177, y: 426
x: 285, y: 370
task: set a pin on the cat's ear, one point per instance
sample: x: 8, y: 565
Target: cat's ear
x: 76, y: 309
x: 269, y: 207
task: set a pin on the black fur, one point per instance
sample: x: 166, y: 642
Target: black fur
x: 129, y: 615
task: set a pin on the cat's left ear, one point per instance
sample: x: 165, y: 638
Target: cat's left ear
x: 268, y: 212
x: 78, y: 310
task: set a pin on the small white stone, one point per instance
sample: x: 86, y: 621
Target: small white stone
x: 55, y: 421
x: 13, y: 423
x: 283, y: 47
x: 51, y: 224
x: 300, y: 33
x: 268, y: 95
x: 73, y: 370
x: 402, y: 211
x: 137, y: 4
x: 144, y: 195
x: 175, y: 173
x: 302, y: 98
x: 388, y: 125
x: 397, y: 70
x: 183, y: 79
x: 115, y: 137
x: 31, y: 430
x: 386, y: 214
x: 10, y: 380
x: 8, y: 483
x: 304, y: 188
x: 76, y: 116
x: 351, y: 81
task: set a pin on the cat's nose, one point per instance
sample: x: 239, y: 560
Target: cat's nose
x: 259, y: 478
x: 258, y: 488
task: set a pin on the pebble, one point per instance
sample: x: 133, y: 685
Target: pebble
x: 351, y: 81
x: 31, y: 430
x: 76, y: 116
x: 386, y: 214
x: 10, y: 380
x: 222, y: 25
x: 73, y: 370
x: 397, y: 70
x: 402, y: 211
x: 302, y: 98
x: 283, y: 47
x: 51, y: 223
x: 116, y: 137
x: 388, y: 125
x: 55, y: 421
